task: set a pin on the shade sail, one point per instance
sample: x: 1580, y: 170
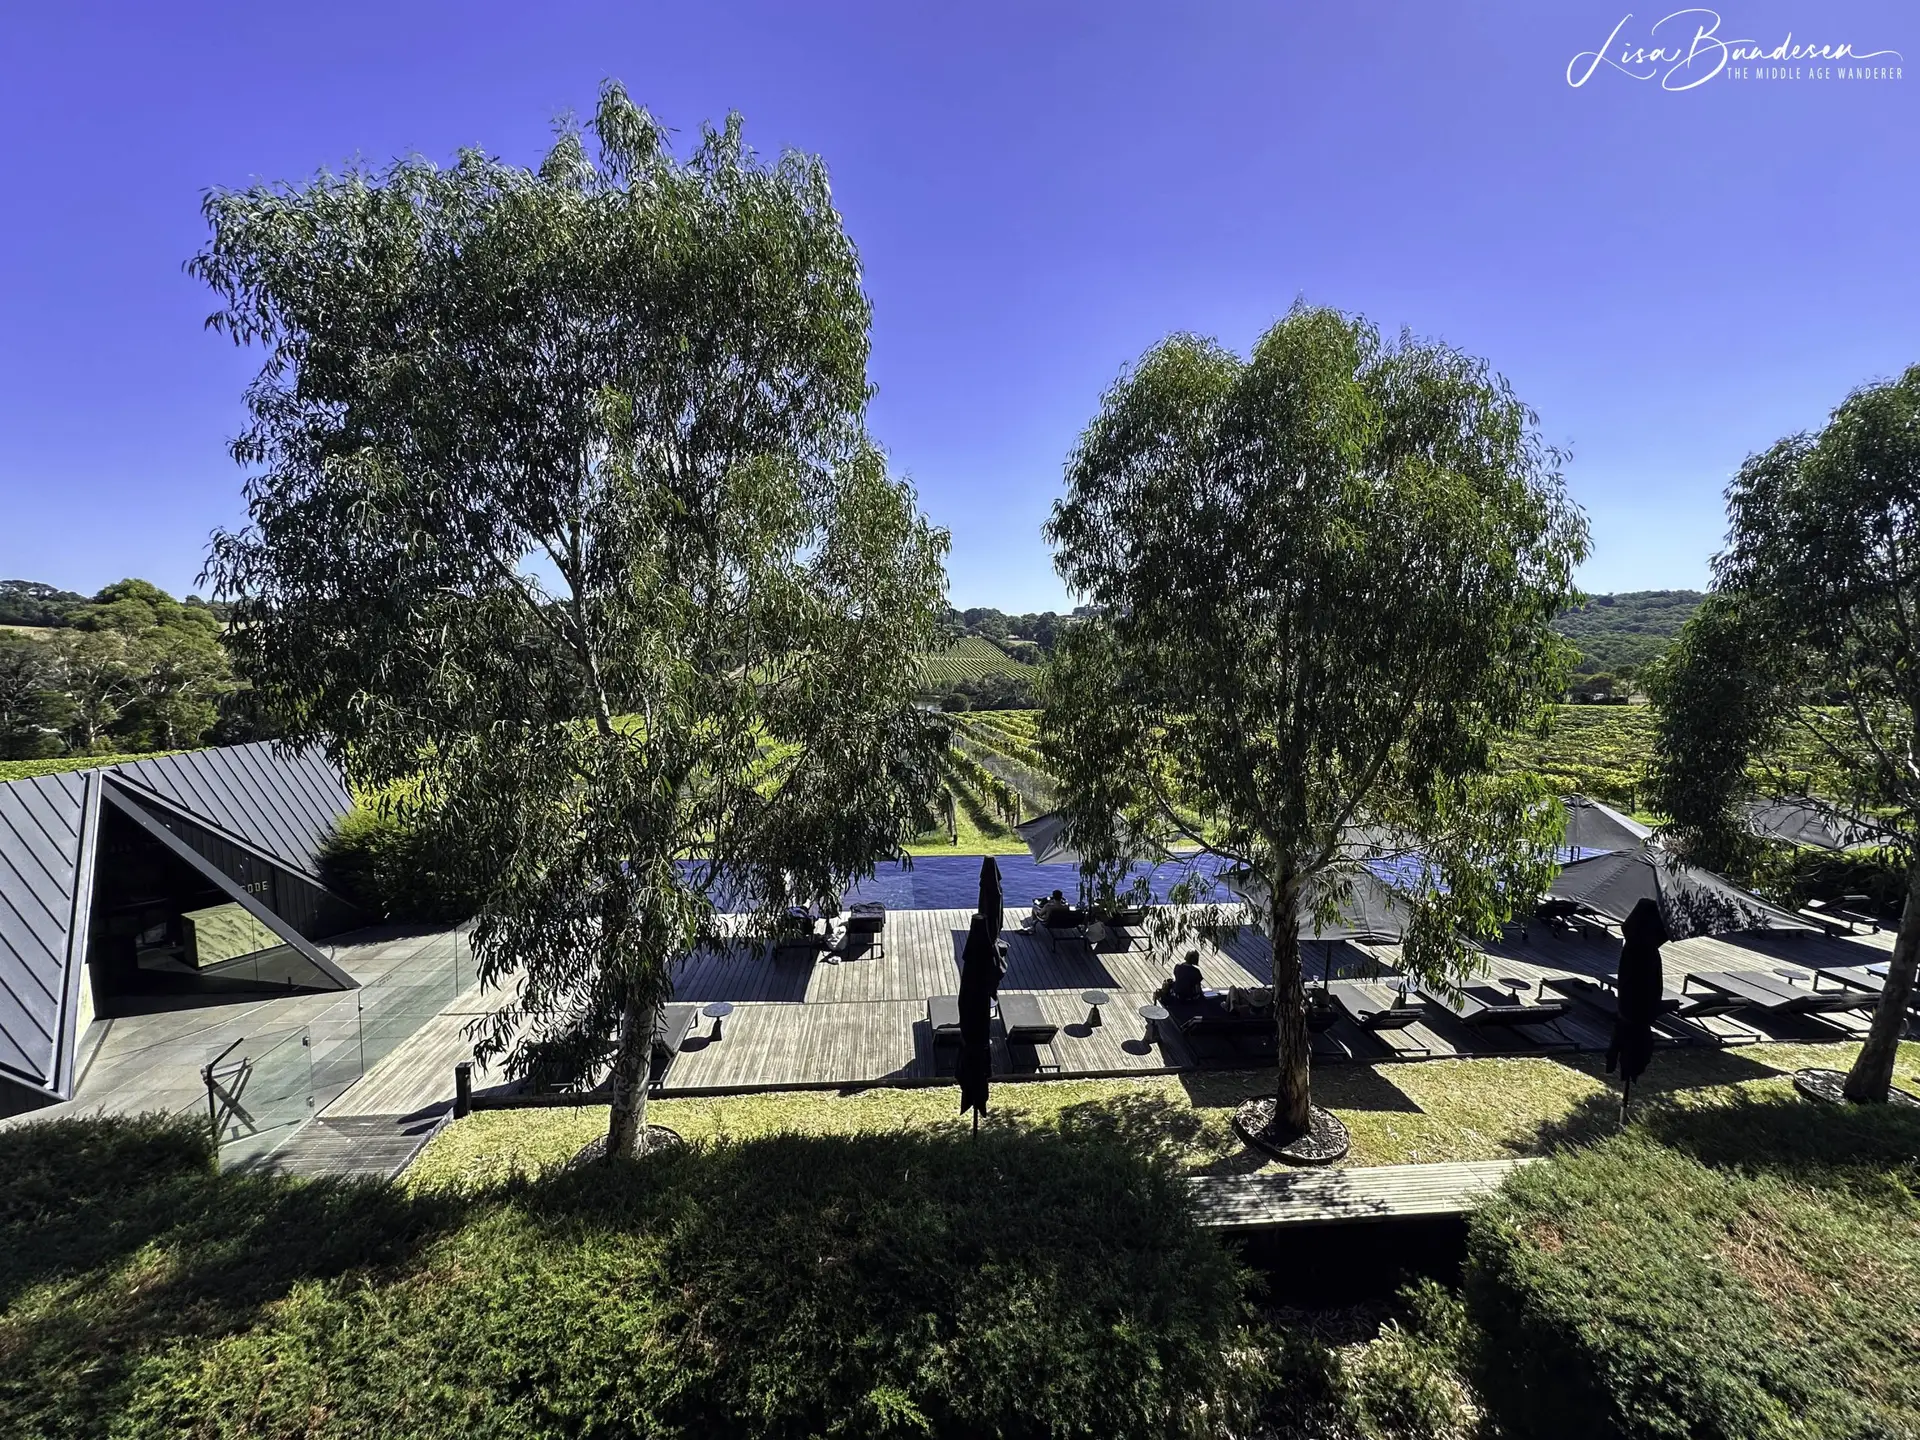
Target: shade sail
x: 1046, y: 840
x: 1692, y: 901
x: 1593, y: 826
x: 1370, y: 910
x: 1808, y: 821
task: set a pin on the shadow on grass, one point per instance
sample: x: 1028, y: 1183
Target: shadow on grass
x: 1693, y: 1101
x: 1042, y: 1281
x: 144, y: 1244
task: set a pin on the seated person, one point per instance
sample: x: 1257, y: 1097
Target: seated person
x: 1186, y: 978
x: 1054, y: 910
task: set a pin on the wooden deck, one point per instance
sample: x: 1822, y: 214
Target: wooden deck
x: 809, y: 1022
x: 1284, y: 1198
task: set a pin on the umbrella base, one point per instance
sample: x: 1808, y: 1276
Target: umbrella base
x: 658, y: 1137
x: 1830, y: 1086
x: 1325, y: 1140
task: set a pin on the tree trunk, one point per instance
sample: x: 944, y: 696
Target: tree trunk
x: 632, y: 1060
x: 1294, y: 1098
x: 1872, y: 1073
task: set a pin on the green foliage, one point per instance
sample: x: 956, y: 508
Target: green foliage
x: 1596, y: 750
x: 1628, y: 630
x: 1810, y: 636
x: 1327, y: 575
x: 1793, y: 875
x: 32, y: 603
x: 1034, y: 1284
x: 1740, y: 1271
x: 30, y: 703
x: 131, y: 669
x: 388, y: 860
x: 27, y: 769
x: 1408, y: 1383
x: 653, y: 498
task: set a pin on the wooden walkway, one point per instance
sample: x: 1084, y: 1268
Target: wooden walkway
x: 809, y: 1022
x: 1283, y: 1198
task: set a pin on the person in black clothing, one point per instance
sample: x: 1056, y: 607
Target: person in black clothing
x: 1186, y: 977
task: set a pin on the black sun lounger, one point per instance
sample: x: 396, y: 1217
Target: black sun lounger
x: 1375, y: 1005
x: 1867, y: 979
x: 1486, y: 1006
x: 1026, y: 1024
x: 864, y: 932
x: 943, y: 1019
x: 1772, y: 995
x: 1678, y: 1011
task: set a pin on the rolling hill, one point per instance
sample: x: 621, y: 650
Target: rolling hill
x: 1628, y: 629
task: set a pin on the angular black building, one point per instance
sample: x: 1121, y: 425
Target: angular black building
x: 181, y: 876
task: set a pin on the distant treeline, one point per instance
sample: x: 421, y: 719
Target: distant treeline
x: 128, y: 670
x: 1621, y: 633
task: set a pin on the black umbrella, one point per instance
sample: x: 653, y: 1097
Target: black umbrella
x: 992, y: 898
x: 1638, y: 990
x: 1692, y: 901
x: 981, y: 966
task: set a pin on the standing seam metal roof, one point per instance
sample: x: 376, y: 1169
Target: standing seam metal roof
x: 282, y: 804
x: 43, y: 825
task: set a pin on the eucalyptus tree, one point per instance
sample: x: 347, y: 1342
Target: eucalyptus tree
x: 566, y: 537
x: 1322, y: 580
x: 1812, y: 635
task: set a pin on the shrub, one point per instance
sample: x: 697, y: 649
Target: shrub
x: 1017, y: 1284
x: 1407, y: 1383
x: 393, y: 869
x: 1748, y: 1269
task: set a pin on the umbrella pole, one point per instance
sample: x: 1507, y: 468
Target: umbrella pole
x: 1626, y: 1091
x: 976, y: 1124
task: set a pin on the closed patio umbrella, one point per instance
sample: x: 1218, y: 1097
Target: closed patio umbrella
x: 992, y: 899
x: 1638, y: 988
x: 980, y: 970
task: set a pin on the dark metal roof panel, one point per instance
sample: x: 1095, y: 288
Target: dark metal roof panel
x: 43, y: 830
x: 281, y: 803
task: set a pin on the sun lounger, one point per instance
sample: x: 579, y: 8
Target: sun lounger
x: 1378, y: 1008
x: 1487, y: 1006
x: 1026, y: 1024
x: 1375, y: 1005
x: 1865, y: 979
x: 943, y: 1018
x: 1678, y: 1012
x: 864, y: 931
x: 676, y: 1023
x: 1773, y: 995
x: 1125, y: 930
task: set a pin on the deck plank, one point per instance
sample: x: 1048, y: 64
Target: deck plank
x: 825, y: 1020
x: 1273, y: 1199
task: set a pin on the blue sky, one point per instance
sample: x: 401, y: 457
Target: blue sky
x: 1671, y: 278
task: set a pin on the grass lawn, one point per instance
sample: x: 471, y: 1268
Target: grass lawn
x: 1405, y: 1113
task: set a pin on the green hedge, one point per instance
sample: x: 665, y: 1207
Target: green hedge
x: 394, y: 869
x: 1747, y: 1270
x: 1016, y: 1284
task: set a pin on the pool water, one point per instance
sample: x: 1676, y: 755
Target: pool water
x: 952, y: 882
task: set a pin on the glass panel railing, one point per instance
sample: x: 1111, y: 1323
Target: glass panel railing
x: 259, y: 1091
x: 381, y: 1015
